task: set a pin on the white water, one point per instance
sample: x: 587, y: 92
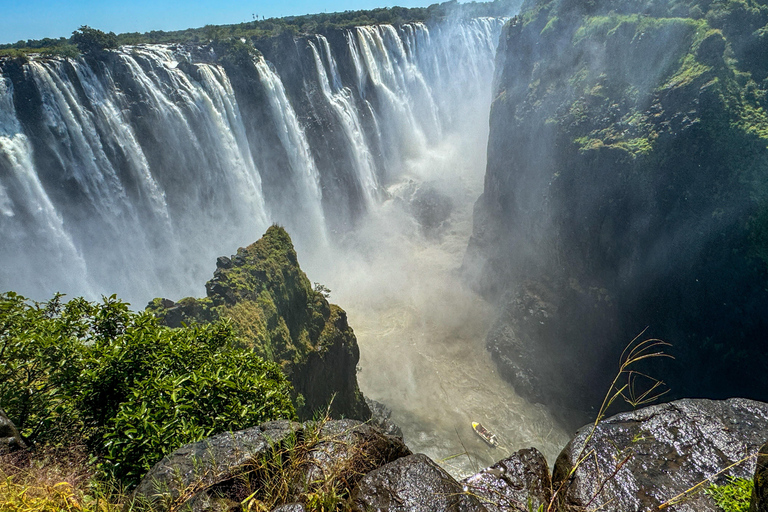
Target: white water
x: 160, y: 176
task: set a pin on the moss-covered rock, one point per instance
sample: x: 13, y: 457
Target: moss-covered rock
x: 628, y: 154
x: 271, y: 302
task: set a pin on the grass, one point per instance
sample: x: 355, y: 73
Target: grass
x: 55, y: 481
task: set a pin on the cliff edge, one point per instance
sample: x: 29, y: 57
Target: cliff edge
x: 625, y: 189
x: 265, y: 294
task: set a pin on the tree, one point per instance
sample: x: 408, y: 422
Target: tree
x: 91, y: 40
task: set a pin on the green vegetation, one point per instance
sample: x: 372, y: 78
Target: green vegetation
x: 123, y: 385
x: 91, y: 40
x: 88, y: 40
x: 733, y: 496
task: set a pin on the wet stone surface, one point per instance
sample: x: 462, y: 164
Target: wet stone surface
x: 644, y: 458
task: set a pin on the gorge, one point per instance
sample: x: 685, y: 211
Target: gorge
x: 623, y: 194
x: 132, y: 171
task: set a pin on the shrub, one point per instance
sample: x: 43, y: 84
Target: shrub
x: 128, y: 387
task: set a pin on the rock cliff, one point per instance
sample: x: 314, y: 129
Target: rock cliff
x: 625, y: 189
x: 272, y: 304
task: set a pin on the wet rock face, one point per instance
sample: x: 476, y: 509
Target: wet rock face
x: 518, y: 483
x: 625, y: 185
x: 380, y: 417
x: 643, y: 458
x: 412, y: 484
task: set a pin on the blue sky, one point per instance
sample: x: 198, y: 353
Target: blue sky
x: 36, y: 19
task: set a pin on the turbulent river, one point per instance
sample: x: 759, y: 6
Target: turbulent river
x: 132, y: 172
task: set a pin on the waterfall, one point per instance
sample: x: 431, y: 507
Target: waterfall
x: 340, y: 98
x: 130, y: 173
x: 30, y: 227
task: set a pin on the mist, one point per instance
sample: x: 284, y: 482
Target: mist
x: 131, y: 175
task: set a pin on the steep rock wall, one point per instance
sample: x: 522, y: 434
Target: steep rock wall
x: 273, y: 306
x: 625, y: 189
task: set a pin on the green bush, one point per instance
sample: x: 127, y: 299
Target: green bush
x: 129, y: 388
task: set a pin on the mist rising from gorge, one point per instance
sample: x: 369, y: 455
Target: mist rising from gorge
x: 130, y: 174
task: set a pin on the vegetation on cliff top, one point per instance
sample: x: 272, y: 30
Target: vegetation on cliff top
x: 264, y: 28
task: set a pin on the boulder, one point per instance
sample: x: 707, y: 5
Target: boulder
x: 218, y: 473
x: 381, y: 418
x: 10, y: 440
x: 521, y: 482
x: 186, y: 475
x: 414, y: 484
x: 290, y: 507
x: 349, y: 446
x: 759, y: 501
x: 638, y: 460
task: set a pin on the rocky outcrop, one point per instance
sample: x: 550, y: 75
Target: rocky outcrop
x: 759, y: 501
x: 10, y: 440
x: 412, y: 484
x: 221, y: 472
x: 189, y: 473
x: 624, y: 189
x: 271, y: 302
x: 663, y: 455
x: 636, y: 461
x: 519, y: 483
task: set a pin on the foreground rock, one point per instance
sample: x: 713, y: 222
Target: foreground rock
x: 520, y: 482
x: 759, y: 501
x: 220, y: 472
x: 187, y: 474
x: 412, y: 484
x: 641, y: 459
x: 10, y: 440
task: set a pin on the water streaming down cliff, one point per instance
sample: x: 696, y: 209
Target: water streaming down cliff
x: 130, y: 173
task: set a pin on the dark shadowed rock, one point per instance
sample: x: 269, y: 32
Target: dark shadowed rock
x: 353, y: 446
x: 520, y: 482
x: 380, y: 417
x: 431, y: 209
x: 196, y: 467
x: 759, y: 501
x: 414, y: 483
x: 643, y: 458
x: 10, y: 440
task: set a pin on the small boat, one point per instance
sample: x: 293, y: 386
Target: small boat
x: 486, y: 434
